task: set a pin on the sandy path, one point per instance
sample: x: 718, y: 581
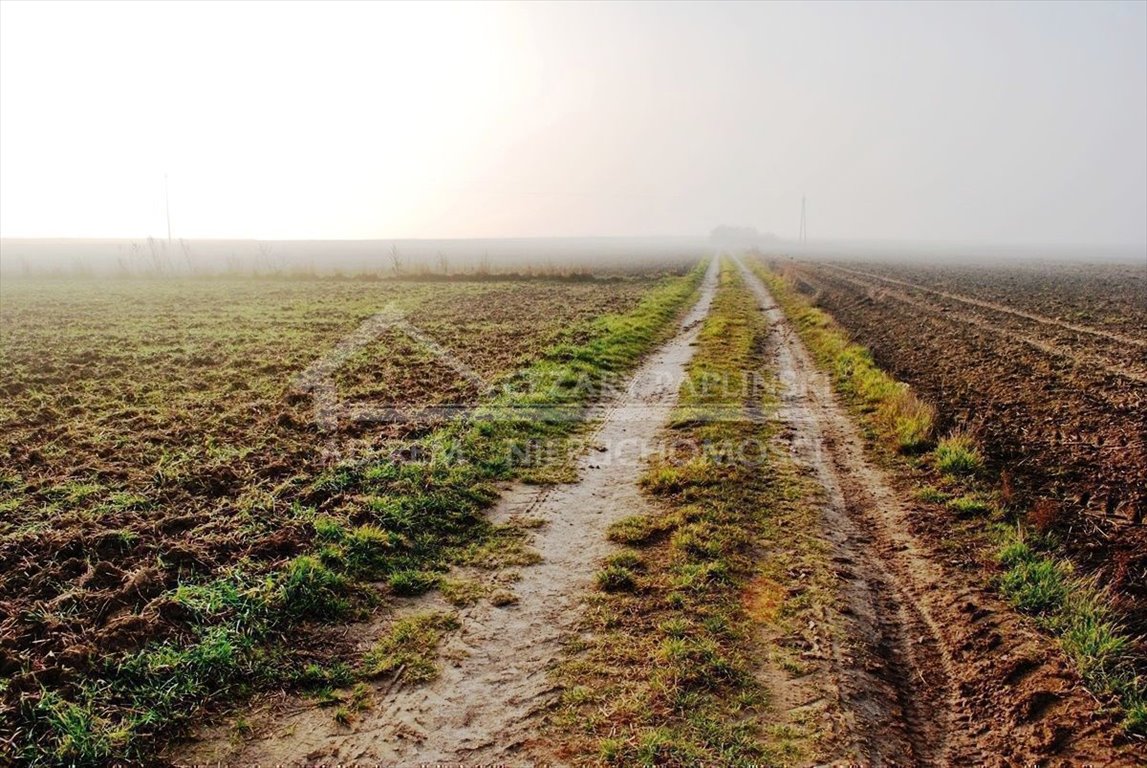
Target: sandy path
x: 892, y: 684
x: 481, y: 708
x: 933, y: 668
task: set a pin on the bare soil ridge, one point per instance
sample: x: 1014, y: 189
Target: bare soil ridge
x: 1095, y: 356
x: 1068, y: 436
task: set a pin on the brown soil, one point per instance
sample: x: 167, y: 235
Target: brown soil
x: 1058, y: 404
x: 151, y: 434
x: 934, y: 669
x: 483, y: 707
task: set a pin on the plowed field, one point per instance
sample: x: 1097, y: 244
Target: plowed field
x: 1047, y: 366
x: 151, y: 434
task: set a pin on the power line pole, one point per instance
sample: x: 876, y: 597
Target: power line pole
x: 804, y: 224
x: 167, y: 206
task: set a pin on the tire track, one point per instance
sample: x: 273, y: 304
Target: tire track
x: 936, y: 669
x: 494, y: 682
x: 893, y: 671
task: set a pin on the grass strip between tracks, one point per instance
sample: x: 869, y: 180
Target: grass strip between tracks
x: 398, y: 523
x: 1075, y: 610
x: 667, y: 670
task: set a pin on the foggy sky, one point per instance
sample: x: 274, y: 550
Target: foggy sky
x: 1021, y: 123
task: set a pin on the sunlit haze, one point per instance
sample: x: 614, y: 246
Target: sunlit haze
x: 1002, y: 123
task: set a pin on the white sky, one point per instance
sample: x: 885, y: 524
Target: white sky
x: 993, y: 123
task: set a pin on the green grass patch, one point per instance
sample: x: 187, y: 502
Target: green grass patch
x: 408, y: 651
x: 958, y: 455
x: 637, y: 530
x: 1080, y: 615
x: 890, y: 407
x: 970, y: 504
x: 932, y: 494
x: 462, y: 592
x: 616, y: 578
x: 311, y: 590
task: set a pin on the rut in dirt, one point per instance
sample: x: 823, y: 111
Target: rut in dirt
x: 495, y: 679
x: 933, y: 667
x: 891, y: 673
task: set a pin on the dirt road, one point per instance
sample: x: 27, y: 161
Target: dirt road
x: 495, y: 666
x: 932, y: 668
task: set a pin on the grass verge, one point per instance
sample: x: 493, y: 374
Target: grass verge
x: 396, y: 519
x: 668, y: 670
x: 896, y: 413
x: 1075, y: 610
x: 1080, y: 614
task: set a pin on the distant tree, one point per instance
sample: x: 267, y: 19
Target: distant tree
x: 443, y: 264
x: 186, y: 248
x: 395, y: 259
x: 266, y: 257
x: 157, y: 250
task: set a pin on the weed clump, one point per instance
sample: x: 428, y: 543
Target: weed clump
x: 1082, y: 616
x: 408, y: 650
x: 311, y: 590
x: 408, y: 583
x: 628, y: 559
x: 958, y: 455
x: 1045, y: 515
x: 969, y: 505
x: 1035, y: 586
x: 932, y: 495
x: 910, y: 420
x: 616, y: 578
x: 635, y: 530
x: 462, y: 592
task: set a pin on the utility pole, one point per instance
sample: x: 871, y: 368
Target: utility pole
x: 804, y: 224
x: 167, y: 207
